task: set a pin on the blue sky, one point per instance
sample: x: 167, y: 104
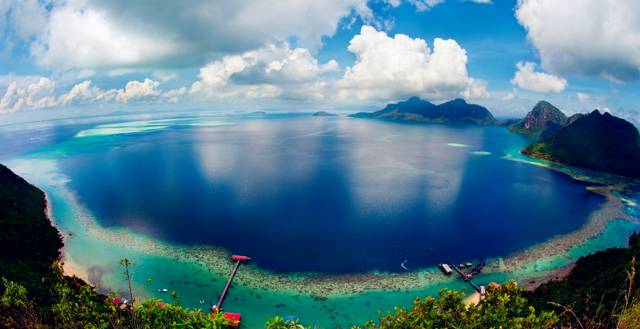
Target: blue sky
x: 340, y: 55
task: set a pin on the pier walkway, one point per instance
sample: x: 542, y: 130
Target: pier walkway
x: 465, y: 278
x: 239, y: 260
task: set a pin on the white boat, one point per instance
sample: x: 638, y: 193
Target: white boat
x: 163, y: 290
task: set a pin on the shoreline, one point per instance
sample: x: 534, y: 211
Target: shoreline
x: 557, y: 274
x: 215, y: 259
x: 73, y: 269
x: 530, y: 264
x: 69, y: 267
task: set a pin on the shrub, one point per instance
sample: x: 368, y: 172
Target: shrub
x: 502, y: 307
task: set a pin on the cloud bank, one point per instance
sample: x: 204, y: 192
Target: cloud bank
x: 92, y: 33
x: 40, y: 93
x: 593, y: 38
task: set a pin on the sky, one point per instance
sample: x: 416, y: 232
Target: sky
x: 307, y: 55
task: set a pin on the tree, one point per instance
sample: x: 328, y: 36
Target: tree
x: 502, y: 307
x: 125, y: 263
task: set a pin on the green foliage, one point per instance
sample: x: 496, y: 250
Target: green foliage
x: 597, y: 289
x: 503, y: 307
x: 175, y: 298
x: 279, y: 322
x: 16, y: 311
x: 29, y: 244
x: 153, y: 314
x: 14, y: 294
x: 595, y: 141
x: 630, y: 318
x: 81, y: 307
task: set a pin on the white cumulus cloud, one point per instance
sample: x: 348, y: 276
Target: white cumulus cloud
x: 595, y: 38
x: 83, y: 92
x: 267, y: 72
x: 400, y: 66
x: 526, y: 77
x: 37, y: 94
x: 138, y: 90
x: 30, y: 93
x: 123, y: 34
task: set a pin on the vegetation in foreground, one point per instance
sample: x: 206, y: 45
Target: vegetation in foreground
x: 599, y: 289
x: 503, y: 307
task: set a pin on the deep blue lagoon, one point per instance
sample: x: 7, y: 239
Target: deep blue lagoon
x: 328, y: 195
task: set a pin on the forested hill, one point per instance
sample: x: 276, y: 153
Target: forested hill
x: 416, y: 110
x: 29, y: 244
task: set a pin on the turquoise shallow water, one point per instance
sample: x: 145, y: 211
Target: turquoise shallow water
x: 331, y: 196
x: 98, y: 248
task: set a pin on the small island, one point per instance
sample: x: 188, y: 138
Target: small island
x: 416, y: 110
x: 324, y: 114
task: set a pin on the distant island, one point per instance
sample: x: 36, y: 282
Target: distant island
x: 416, y: 110
x: 595, y: 141
x: 544, y: 118
x: 324, y: 114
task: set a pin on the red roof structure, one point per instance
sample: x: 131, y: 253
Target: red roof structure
x: 233, y: 318
x: 240, y: 258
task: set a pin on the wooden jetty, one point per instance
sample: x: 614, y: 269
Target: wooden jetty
x: 234, y: 318
x: 466, y: 278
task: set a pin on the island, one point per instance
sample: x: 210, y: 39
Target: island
x: 324, y: 114
x: 543, y: 119
x: 597, y: 141
x: 416, y: 110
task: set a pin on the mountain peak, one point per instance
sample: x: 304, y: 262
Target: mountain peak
x: 457, y: 101
x: 543, y: 103
x: 543, y: 116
